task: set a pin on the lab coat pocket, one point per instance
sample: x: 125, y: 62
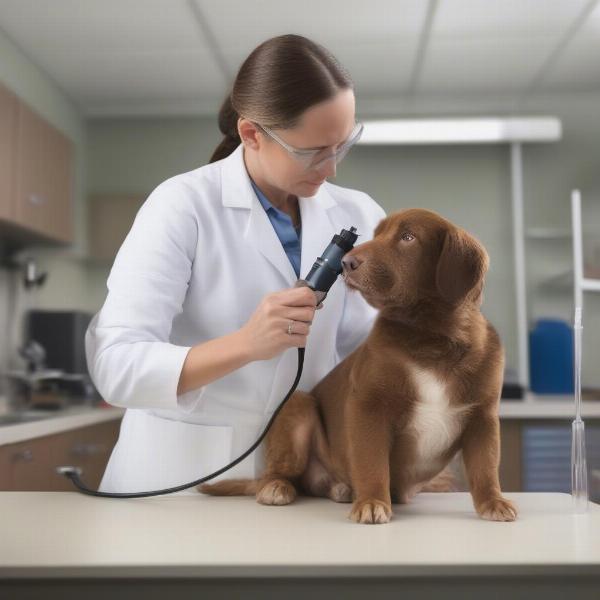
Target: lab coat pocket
x: 155, y: 453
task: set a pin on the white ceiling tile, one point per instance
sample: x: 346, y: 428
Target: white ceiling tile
x: 505, y: 18
x: 377, y: 68
x: 370, y: 34
x: 576, y: 70
x: 249, y: 23
x: 112, y: 55
x: 375, y: 41
x: 101, y: 24
x: 116, y: 52
x: 481, y: 65
x: 578, y: 66
x: 108, y: 76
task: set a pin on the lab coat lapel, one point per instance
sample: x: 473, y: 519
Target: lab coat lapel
x: 317, y: 226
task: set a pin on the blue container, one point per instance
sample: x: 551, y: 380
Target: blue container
x: 551, y: 357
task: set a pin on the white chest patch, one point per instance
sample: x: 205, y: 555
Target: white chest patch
x: 435, y: 424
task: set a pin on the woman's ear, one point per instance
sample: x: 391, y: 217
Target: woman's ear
x: 248, y: 133
x: 461, y: 267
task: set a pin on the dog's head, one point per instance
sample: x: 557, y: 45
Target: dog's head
x: 416, y: 254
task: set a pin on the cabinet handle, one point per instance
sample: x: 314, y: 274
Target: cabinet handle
x: 24, y: 455
x: 83, y: 449
x: 36, y: 199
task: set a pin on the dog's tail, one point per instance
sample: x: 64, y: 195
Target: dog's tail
x: 444, y: 481
x: 229, y: 487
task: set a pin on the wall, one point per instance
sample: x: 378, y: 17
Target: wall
x: 65, y: 267
x: 469, y: 184
x: 134, y: 155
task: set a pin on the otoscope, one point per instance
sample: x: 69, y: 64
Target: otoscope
x: 320, y: 278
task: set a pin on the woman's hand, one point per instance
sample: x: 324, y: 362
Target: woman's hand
x: 265, y: 334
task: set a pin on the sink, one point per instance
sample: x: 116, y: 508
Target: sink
x: 25, y: 416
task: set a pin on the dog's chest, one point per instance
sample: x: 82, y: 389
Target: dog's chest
x: 435, y: 424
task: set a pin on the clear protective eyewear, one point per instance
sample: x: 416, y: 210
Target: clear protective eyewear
x: 316, y: 158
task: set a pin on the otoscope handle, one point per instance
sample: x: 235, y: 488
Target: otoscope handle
x: 318, y: 293
x: 327, y: 267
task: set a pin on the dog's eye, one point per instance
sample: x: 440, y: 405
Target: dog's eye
x: 407, y: 237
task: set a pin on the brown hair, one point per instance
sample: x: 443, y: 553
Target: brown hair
x: 279, y: 80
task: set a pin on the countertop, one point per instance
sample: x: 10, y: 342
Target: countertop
x: 67, y: 534
x: 530, y: 408
x: 547, y: 406
x: 64, y: 419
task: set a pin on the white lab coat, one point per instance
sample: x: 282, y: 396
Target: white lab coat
x: 197, y: 261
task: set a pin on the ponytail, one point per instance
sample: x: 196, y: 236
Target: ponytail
x: 228, y: 118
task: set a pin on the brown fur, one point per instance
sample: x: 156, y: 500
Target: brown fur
x: 355, y: 437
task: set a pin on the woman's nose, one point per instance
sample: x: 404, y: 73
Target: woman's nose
x: 328, y: 168
x: 350, y: 262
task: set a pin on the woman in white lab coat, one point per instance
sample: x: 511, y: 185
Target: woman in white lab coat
x: 199, y: 331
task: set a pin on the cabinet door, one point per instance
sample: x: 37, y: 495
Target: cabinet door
x: 88, y: 448
x: 547, y: 456
x: 510, y: 455
x: 44, y: 177
x: 58, y: 155
x: 8, y: 137
x: 31, y: 465
x: 6, y: 482
x: 110, y: 218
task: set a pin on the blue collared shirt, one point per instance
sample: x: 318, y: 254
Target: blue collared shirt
x: 289, y: 236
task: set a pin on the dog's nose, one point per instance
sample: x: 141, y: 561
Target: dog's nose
x: 350, y: 263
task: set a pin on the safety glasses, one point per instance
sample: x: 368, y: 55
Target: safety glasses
x: 316, y: 158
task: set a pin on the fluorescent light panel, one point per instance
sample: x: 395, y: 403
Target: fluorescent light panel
x: 461, y: 131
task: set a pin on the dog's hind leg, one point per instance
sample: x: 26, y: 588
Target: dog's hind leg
x: 287, y: 450
x: 444, y: 481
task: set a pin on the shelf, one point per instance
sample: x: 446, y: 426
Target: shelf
x: 565, y: 280
x: 590, y: 285
x: 551, y: 233
x: 562, y: 281
x: 556, y: 233
x: 547, y: 406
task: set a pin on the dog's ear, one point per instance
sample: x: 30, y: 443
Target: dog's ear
x: 461, y: 266
x: 379, y: 228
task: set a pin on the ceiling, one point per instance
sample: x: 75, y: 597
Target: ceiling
x: 170, y: 57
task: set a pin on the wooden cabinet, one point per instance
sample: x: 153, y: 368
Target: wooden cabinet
x: 36, y: 175
x: 44, y: 178
x: 110, y: 217
x: 31, y: 465
x: 511, y: 477
x: 8, y: 147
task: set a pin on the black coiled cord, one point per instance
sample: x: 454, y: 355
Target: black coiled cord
x: 73, y: 472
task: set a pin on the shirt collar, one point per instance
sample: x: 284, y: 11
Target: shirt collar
x: 262, y: 198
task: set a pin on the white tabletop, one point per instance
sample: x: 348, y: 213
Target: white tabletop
x: 64, y: 534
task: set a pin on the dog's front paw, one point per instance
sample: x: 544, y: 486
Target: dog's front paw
x: 276, y: 492
x: 497, y: 509
x: 370, y: 511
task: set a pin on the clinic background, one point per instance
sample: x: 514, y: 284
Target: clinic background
x: 136, y: 86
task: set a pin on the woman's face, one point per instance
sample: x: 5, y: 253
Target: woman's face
x: 325, y: 126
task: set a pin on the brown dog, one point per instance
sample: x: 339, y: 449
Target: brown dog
x: 385, y: 422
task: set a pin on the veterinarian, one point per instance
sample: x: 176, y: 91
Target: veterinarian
x: 198, y: 335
